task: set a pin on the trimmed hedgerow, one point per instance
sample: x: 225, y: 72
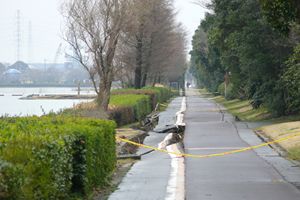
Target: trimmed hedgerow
x: 156, y: 94
x: 163, y: 94
x: 54, y: 157
x: 130, y: 105
x: 151, y: 93
x: 122, y: 115
x: 135, y: 106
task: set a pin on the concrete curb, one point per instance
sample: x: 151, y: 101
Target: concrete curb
x: 280, y: 150
x: 176, y: 184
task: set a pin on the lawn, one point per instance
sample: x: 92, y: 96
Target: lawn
x: 280, y: 130
x: 243, y: 109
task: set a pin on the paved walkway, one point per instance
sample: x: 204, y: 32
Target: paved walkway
x: 148, y: 179
x: 243, y: 176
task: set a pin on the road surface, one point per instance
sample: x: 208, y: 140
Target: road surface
x: 253, y: 175
x: 242, y: 176
x: 149, y: 179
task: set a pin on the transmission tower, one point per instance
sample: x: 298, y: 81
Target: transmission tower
x: 18, y: 35
x: 29, y: 42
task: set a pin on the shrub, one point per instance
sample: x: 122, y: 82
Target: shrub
x: 290, y: 81
x: 120, y: 107
x: 230, y: 93
x: 270, y: 95
x: 122, y: 115
x: 130, y: 105
x: 274, y: 100
x: 10, y: 180
x: 156, y: 94
x: 163, y: 94
x: 53, y: 157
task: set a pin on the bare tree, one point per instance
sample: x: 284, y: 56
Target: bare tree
x: 141, y: 32
x: 124, y: 71
x: 169, y: 57
x: 206, y: 4
x: 149, y: 40
x: 93, y: 31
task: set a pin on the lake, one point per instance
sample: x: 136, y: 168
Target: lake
x: 12, y: 105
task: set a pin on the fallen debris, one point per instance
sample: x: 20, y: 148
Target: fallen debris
x: 151, y: 120
x: 129, y: 156
x: 124, y: 148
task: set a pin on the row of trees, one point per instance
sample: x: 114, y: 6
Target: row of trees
x: 248, y: 45
x: 137, y: 42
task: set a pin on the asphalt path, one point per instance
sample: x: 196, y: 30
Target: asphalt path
x: 260, y: 174
x: 148, y: 179
x: 252, y: 175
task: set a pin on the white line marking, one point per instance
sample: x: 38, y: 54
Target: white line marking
x: 176, y: 183
x: 175, y: 188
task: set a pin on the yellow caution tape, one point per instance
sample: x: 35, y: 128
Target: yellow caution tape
x: 210, y: 155
x: 164, y: 105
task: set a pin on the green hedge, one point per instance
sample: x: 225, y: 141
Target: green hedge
x: 230, y: 94
x: 156, y: 94
x: 54, y: 157
x: 131, y: 105
x: 163, y: 94
x: 127, y: 108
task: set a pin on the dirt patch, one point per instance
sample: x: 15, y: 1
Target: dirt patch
x: 134, y: 135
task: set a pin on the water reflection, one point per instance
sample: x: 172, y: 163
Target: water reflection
x: 11, y: 105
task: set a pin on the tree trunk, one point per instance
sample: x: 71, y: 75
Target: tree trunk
x: 137, y: 77
x: 159, y: 79
x: 154, y: 80
x: 148, y: 62
x: 139, y: 62
x: 144, y: 80
x: 104, y: 93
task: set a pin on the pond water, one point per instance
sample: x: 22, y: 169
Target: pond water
x: 12, y: 105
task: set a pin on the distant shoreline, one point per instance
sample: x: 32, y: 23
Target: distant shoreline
x: 44, y: 86
x: 57, y: 97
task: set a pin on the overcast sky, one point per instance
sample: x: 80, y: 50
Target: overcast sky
x: 46, y: 27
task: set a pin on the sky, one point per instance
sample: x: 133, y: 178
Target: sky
x: 46, y: 28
